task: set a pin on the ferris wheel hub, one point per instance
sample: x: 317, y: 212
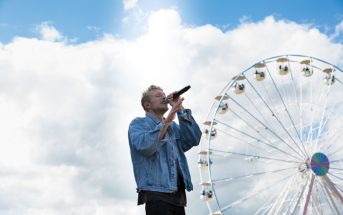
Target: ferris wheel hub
x: 304, y: 167
x: 320, y: 164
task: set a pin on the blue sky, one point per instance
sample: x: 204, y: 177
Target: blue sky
x: 89, y: 19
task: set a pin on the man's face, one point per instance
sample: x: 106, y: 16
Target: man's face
x: 157, y: 101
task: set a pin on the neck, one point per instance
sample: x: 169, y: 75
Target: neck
x: 157, y: 114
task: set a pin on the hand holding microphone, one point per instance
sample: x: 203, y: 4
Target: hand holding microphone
x: 172, y: 98
x: 176, y: 102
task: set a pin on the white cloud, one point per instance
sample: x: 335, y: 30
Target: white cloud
x: 65, y: 109
x: 338, y: 30
x: 129, y: 4
x: 93, y: 28
x: 49, y: 32
x: 134, y: 21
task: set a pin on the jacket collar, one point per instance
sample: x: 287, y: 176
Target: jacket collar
x: 153, y: 117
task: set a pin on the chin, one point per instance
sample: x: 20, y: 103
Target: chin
x: 164, y: 110
x: 165, y: 107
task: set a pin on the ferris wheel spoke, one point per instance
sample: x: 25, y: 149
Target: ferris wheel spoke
x: 335, y: 152
x: 330, y: 138
x: 252, y: 127
x: 229, y: 179
x: 325, y: 183
x: 313, y: 115
x: 310, y: 130
x: 298, y: 100
x: 273, y: 114
x: 338, y: 186
x: 338, y: 174
x: 250, y: 143
x: 333, y: 188
x: 291, y: 119
x: 340, y: 149
x: 257, y: 110
x: 325, y: 195
x: 308, y: 195
x: 296, y: 201
x: 293, y: 83
x: 336, y: 161
x: 331, y: 145
x: 334, y: 139
x: 304, y: 94
x: 268, y: 94
x: 318, y: 99
x: 295, y: 95
x: 247, y: 197
x: 335, y: 176
x: 319, y: 132
x: 339, y: 81
x: 254, y: 156
x: 238, y: 130
x: 316, y: 204
x: 248, y: 124
x: 339, y: 169
x: 322, y: 116
x: 271, y: 203
x: 333, y: 114
x: 257, y: 139
x: 265, y: 126
x: 276, y: 207
x: 266, y: 206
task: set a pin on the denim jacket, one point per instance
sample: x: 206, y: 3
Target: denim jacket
x: 157, y: 163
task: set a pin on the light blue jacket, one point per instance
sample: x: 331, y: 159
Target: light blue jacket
x: 156, y: 163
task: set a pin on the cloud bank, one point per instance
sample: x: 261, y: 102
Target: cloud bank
x: 65, y: 108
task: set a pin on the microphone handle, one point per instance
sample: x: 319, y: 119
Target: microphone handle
x: 180, y: 92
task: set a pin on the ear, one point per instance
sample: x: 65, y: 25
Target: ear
x: 147, y: 105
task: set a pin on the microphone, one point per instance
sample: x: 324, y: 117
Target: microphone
x: 180, y: 92
x: 177, y: 94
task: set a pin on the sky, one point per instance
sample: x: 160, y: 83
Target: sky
x: 83, y: 21
x: 72, y: 73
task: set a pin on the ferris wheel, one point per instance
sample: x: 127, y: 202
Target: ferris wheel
x: 273, y: 140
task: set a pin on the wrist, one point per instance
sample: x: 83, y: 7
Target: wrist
x: 182, y: 112
x: 165, y: 122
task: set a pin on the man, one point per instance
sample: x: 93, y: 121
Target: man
x: 157, y: 146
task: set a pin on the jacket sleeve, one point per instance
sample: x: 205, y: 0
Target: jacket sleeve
x: 190, y: 133
x: 144, y: 139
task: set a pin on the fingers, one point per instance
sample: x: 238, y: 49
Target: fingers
x: 170, y: 96
x: 176, y: 107
x: 179, y: 101
x: 177, y: 104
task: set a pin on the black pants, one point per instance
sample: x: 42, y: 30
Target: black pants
x: 157, y: 207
